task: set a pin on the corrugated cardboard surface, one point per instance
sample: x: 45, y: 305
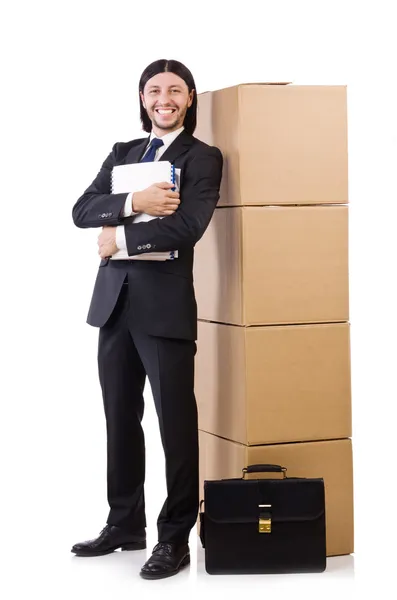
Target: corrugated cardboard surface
x: 332, y: 460
x: 274, y: 265
x: 215, y: 128
x: 282, y: 144
x: 260, y: 385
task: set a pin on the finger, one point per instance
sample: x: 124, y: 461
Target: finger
x: 168, y: 212
x: 173, y: 195
x: 165, y: 185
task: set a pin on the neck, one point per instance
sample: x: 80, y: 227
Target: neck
x: 161, y: 132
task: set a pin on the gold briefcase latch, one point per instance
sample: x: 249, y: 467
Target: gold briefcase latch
x: 265, y: 519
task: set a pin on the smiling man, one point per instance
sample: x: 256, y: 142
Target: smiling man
x: 147, y: 317
x: 170, y: 115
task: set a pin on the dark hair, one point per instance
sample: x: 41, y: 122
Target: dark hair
x: 176, y: 67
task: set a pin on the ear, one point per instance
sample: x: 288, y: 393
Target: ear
x: 191, y: 96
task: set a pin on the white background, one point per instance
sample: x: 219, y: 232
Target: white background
x: 70, y: 74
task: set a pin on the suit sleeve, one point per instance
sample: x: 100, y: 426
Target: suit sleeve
x: 184, y: 228
x: 97, y: 207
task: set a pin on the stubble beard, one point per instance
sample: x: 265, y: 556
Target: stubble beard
x: 172, y: 124
x: 165, y: 126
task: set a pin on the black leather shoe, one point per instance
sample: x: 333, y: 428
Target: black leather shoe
x: 167, y: 559
x: 111, y: 538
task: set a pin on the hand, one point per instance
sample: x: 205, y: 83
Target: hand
x: 157, y: 200
x: 107, y: 242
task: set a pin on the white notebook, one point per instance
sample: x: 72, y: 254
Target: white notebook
x: 139, y: 176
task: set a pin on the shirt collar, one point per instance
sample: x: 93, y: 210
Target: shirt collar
x: 168, y: 138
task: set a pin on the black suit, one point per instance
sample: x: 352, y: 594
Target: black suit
x: 149, y: 327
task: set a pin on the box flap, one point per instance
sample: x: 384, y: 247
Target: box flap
x: 267, y: 83
x: 248, y: 83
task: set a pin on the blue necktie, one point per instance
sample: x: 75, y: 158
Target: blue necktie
x: 151, y: 153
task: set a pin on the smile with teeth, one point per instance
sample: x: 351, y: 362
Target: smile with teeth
x: 165, y: 111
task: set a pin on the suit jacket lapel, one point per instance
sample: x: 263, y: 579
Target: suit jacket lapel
x: 179, y: 146
x: 136, y: 152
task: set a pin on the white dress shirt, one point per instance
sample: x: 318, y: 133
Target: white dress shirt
x: 168, y: 138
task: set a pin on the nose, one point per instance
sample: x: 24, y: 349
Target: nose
x: 164, y: 97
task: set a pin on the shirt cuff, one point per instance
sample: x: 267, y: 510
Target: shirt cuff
x: 120, y: 238
x: 128, y: 212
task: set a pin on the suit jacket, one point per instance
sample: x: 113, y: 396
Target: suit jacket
x: 162, y: 296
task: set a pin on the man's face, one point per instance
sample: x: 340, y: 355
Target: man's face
x: 166, y: 99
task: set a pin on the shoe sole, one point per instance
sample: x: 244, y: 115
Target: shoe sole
x: 124, y: 547
x: 184, y: 563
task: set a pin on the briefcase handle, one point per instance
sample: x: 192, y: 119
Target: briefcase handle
x: 264, y: 469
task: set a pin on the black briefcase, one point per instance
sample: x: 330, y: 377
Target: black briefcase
x: 268, y: 526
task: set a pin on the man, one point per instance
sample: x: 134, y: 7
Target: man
x: 147, y: 315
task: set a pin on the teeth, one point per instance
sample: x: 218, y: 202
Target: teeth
x: 165, y: 111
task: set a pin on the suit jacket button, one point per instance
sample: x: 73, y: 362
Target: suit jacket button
x: 110, y: 214
x: 149, y: 246
x: 139, y: 248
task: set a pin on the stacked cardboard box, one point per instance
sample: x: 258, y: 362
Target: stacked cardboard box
x: 271, y: 280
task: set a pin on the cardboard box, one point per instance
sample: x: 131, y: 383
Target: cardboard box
x: 260, y: 385
x: 270, y: 265
x: 282, y: 144
x: 332, y: 460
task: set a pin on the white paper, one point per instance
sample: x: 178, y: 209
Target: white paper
x: 134, y: 178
